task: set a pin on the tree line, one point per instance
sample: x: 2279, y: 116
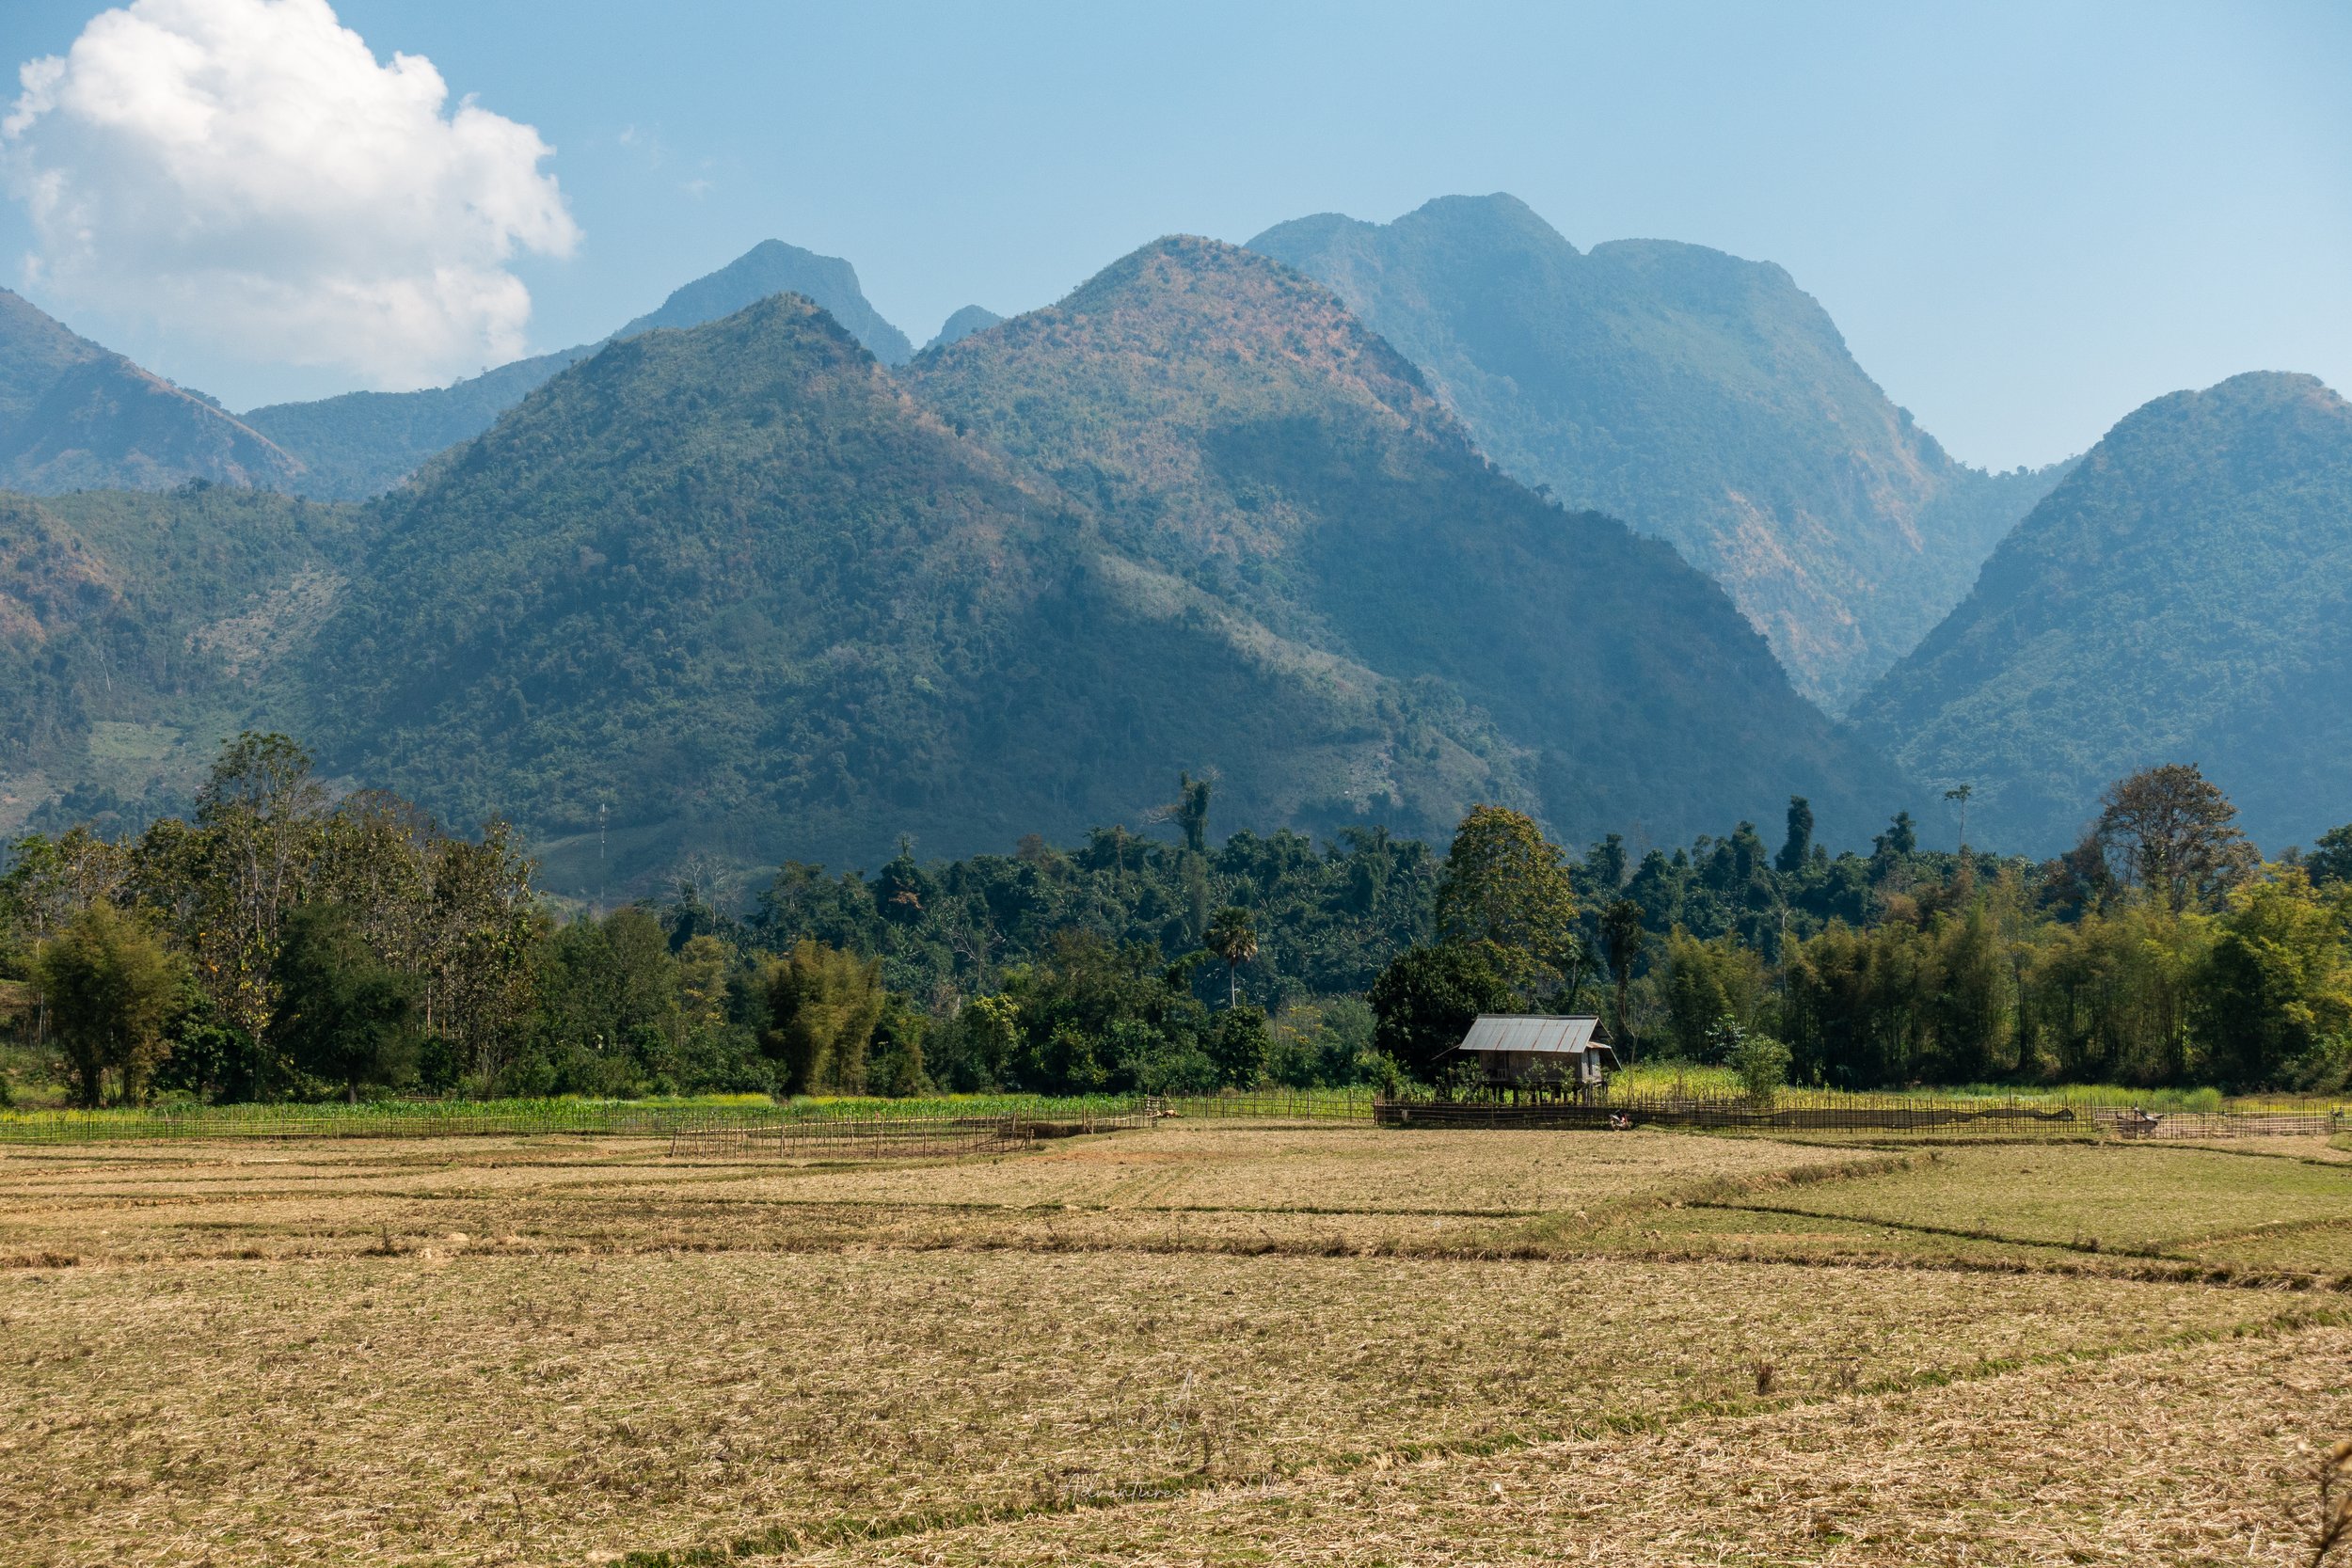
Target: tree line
x: 281, y: 944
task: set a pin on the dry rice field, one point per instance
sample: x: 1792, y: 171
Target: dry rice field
x: 1184, y: 1345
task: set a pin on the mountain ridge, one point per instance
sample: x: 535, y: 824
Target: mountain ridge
x: 75, y: 415
x: 363, y: 444
x: 750, y: 595
x: 2179, y: 597
x: 1699, y: 396
x: 1230, y: 420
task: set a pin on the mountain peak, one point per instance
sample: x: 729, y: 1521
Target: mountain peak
x: 1231, y: 422
x: 971, y: 319
x: 774, y: 267
x: 1703, y: 398
x: 2177, y: 598
x: 364, y: 443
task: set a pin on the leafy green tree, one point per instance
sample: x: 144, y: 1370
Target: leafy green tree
x: 1622, y: 938
x: 1858, y: 1004
x: 1758, y: 1060
x: 1901, y: 839
x: 2108, y: 998
x: 992, y: 1026
x: 1239, y: 1045
x: 1706, y: 981
x: 895, y: 1063
x: 1425, y: 1001
x: 2330, y: 860
x: 343, y: 1016
x: 49, y: 880
x: 109, y: 986
x: 1507, y: 886
x: 1190, y: 812
x: 2277, y: 991
x: 823, y: 1006
x: 258, y: 821
x: 1974, y: 1014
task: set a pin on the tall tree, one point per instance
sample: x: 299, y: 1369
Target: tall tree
x: 1189, y: 811
x: 1798, y: 846
x: 2330, y: 860
x: 1507, y: 886
x: 2277, y: 991
x: 1425, y: 1001
x: 256, y: 830
x: 1622, y: 937
x: 824, y: 1005
x: 2172, y: 831
x: 1233, y: 937
x: 345, y: 1016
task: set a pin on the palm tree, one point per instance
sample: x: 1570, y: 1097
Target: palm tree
x: 1233, y: 937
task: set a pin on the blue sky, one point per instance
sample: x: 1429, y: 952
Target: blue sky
x: 2027, y: 219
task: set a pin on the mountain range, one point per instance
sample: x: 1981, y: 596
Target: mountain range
x: 1699, y: 397
x: 739, y: 584
x: 1371, y: 521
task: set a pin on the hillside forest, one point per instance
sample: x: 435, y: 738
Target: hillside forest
x: 279, y: 944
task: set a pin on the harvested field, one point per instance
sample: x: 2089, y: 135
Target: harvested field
x: 2199, y: 1455
x: 541, y: 1351
x: 1348, y: 1189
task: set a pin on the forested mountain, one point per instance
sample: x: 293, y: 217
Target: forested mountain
x: 364, y: 443
x: 971, y: 319
x: 77, y: 415
x: 729, y: 589
x: 2181, y: 597
x: 1242, y: 436
x: 138, y: 629
x: 1699, y: 397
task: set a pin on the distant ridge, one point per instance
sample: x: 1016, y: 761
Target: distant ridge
x: 971, y: 319
x: 772, y: 267
x: 75, y: 415
x: 364, y: 443
x: 2186, y: 595
x: 1699, y: 397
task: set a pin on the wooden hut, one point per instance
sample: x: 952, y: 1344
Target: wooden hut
x: 1523, y: 1053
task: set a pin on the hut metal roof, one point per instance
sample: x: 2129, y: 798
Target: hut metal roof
x: 1534, y: 1034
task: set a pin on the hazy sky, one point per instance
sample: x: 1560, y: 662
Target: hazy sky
x: 2027, y: 219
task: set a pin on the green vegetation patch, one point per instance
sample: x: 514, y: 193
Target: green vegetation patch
x: 2115, y: 1198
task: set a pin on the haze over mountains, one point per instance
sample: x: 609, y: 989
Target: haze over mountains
x: 747, y: 578
x: 1697, y: 396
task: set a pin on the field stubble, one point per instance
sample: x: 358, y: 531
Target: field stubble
x: 534, y: 1351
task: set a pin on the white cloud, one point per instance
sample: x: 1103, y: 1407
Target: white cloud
x: 244, y: 171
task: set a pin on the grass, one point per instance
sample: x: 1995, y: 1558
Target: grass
x: 2135, y: 1199
x: 1214, y: 1341
x: 446, y: 1117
